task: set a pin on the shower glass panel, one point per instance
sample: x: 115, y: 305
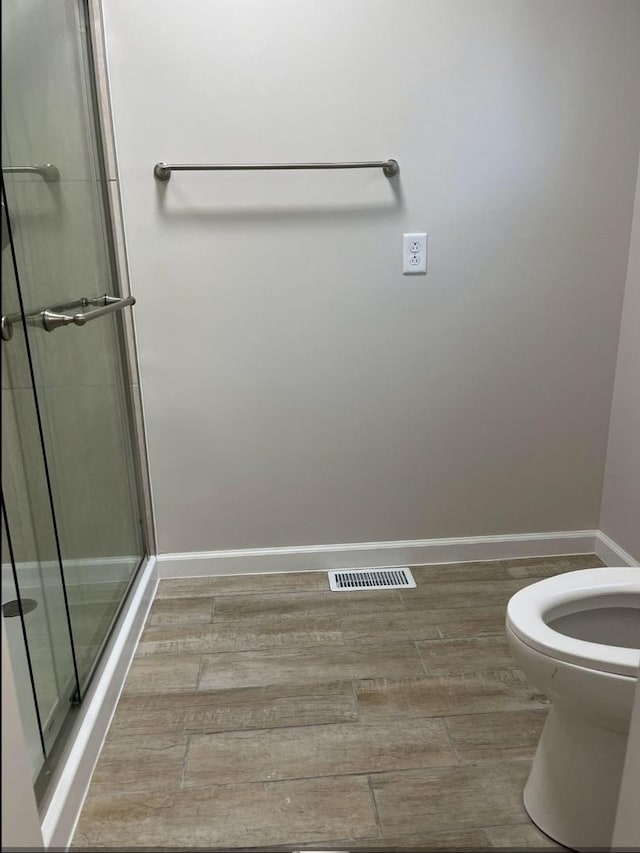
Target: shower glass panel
x: 88, y: 530
x: 33, y: 597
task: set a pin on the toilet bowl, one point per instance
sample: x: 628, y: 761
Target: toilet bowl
x: 577, y: 638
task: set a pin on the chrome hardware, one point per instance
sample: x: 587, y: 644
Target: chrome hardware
x: 48, y: 171
x: 51, y: 318
x: 5, y: 228
x: 110, y: 304
x: 162, y: 171
x: 7, y: 328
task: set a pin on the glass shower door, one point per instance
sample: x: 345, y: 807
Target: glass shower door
x: 56, y: 202
x: 33, y: 594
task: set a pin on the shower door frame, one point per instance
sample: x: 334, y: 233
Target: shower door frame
x: 59, y: 793
x: 96, y: 68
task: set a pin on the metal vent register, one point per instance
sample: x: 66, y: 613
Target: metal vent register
x: 397, y: 578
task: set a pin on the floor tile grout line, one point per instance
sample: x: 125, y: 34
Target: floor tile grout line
x: 362, y: 639
x: 194, y: 733
x: 302, y: 614
x: 184, y: 761
x: 289, y: 685
x: 253, y: 622
x: 374, y: 805
x: 209, y: 653
x: 347, y: 721
x: 330, y: 647
x: 277, y: 729
x: 371, y: 774
x: 404, y: 609
x: 451, y: 740
x: 257, y: 592
x: 356, y: 723
x: 329, y: 680
x: 197, y: 687
x: 356, y: 705
x: 165, y: 625
x: 375, y: 593
x: 351, y: 724
x: 399, y: 595
x: 334, y: 626
x: 420, y: 658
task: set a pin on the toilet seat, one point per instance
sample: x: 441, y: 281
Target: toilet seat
x: 527, y: 608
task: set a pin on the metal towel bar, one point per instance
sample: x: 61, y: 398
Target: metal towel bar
x: 51, y: 318
x: 162, y: 171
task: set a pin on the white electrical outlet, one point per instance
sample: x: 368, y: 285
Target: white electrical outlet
x: 414, y: 254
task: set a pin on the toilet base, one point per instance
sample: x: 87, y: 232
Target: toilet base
x: 572, y: 791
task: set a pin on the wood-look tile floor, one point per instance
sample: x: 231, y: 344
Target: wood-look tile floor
x: 266, y: 712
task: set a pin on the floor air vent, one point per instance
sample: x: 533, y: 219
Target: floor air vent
x: 371, y: 579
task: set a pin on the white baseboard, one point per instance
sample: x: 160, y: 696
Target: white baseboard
x: 611, y: 553
x: 73, y: 772
x: 416, y: 552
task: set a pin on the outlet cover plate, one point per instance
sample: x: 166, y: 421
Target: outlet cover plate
x: 414, y: 254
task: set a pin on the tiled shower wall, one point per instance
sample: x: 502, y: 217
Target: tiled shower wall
x: 62, y: 255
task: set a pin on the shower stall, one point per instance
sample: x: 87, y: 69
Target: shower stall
x: 75, y: 514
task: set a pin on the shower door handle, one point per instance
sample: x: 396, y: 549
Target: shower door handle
x: 109, y: 305
x: 51, y: 318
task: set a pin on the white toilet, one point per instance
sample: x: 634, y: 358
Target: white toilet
x: 577, y: 638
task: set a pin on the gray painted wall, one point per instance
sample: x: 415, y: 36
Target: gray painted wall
x: 620, y: 518
x: 299, y: 389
